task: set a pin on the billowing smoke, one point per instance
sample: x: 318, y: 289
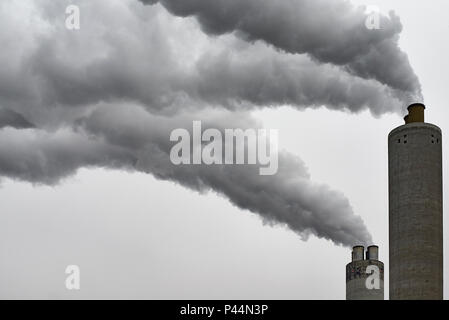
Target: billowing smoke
x: 109, y: 94
x: 329, y: 31
x: 128, y: 137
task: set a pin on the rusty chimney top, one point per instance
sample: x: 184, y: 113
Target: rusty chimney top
x: 415, y: 113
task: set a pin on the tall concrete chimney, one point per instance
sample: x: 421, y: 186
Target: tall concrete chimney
x: 415, y: 208
x: 357, y: 276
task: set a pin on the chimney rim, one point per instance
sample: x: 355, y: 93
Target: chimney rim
x: 416, y: 104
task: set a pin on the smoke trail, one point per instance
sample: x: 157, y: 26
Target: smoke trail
x: 329, y: 31
x: 259, y: 76
x: 127, y: 137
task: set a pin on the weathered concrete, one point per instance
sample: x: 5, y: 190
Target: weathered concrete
x: 356, y: 277
x: 415, y: 212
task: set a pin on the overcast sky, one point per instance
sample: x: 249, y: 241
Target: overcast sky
x: 85, y: 117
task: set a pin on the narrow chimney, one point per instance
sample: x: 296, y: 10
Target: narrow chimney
x: 358, y: 253
x: 372, y: 253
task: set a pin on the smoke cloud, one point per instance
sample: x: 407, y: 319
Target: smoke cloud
x: 10, y: 118
x: 109, y: 94
x: 328, y: 31
x: 129, y: 138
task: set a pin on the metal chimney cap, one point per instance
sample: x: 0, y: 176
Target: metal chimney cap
x: 417, y: 104
x: 415, y: 113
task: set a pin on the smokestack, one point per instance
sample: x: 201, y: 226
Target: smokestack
x: 361, y: 275
x: 357, y: 253
x: 415, y: 113
x: 372, y: 253
x: 415, y: 209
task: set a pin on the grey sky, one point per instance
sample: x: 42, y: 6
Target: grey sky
x: 135, y: 236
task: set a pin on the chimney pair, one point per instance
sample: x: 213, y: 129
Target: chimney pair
x: 372, y: 253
